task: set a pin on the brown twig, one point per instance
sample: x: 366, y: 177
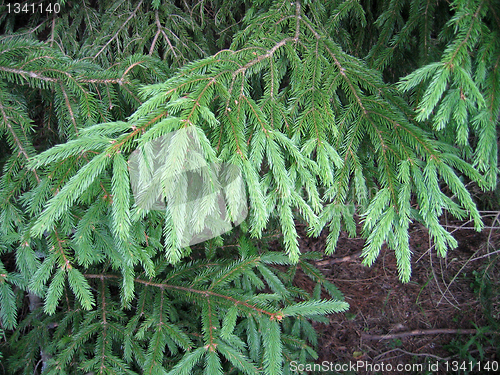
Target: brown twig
x: 425, y: 355
x: 348, y: 258
x: 419, y: 332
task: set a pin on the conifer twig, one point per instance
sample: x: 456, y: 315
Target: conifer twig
x: 205, y: 293
x: 121, y: 27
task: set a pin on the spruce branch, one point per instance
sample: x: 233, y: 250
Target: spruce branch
x: 119, y: 29
x: 205, y: 294
x: 330, y: 111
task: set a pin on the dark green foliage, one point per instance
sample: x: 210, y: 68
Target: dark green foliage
x: 385, y: 110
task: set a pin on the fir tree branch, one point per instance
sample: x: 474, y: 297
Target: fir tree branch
x: 25, y: 73
x: 19, y: 144
x: 160, y: 30
x: 451, y: 60
x: 70, y: 110
x: 204, y: 293
x: 132, y: 15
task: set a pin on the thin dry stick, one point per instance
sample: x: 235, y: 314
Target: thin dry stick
x: 419, y: 332
x: 491, y: 230
x: 461, y: 227
x: 486, y: 255
x: 435, y: 278
x: 453, y: 231
x: 348, y: 258
x: 409, y: 353
x: 472, y: 257
x: 456, y: 275
x: 441, y: 260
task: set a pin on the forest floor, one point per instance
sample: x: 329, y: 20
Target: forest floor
x: 443, y: 318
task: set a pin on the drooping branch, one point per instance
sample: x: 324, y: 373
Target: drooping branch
x: 204, y: 293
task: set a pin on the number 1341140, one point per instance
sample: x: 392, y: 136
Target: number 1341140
x: 485, y: 366
x: 33, y: 8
